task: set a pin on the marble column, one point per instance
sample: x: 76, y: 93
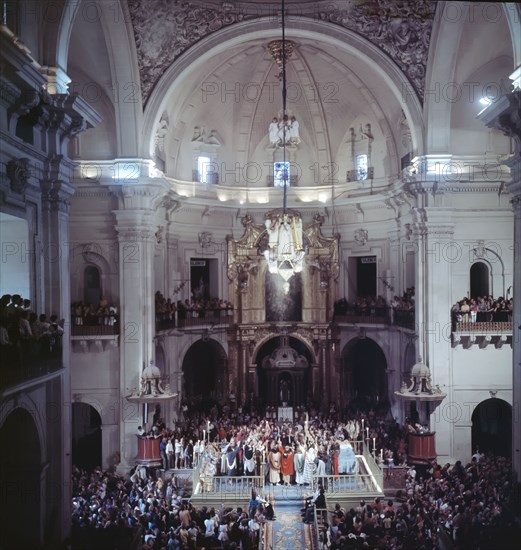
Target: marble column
x: 505, y: 115
x: 136, y: 226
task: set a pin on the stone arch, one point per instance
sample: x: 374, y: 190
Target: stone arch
x: 492, y: 427
x: 297, y: 378
x: 82, y: 258
x: 479, y: 275
x: 259, y: 345
x: 348, y: 41
x: 121, y: 51
x: 21, y: 483
x: 364, y: 374
x: 204, y: 369
x: 86, y: 436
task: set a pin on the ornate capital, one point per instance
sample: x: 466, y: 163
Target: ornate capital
x: 56, y: 195
x: 18, y: 172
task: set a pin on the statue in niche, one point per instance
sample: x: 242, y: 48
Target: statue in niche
x: 285, y: 393
x: 199, y: 133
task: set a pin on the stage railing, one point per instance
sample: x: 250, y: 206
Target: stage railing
x: 227, y: 487
x: 374, y: 469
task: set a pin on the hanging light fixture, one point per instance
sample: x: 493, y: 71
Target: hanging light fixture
x: 285, y: 252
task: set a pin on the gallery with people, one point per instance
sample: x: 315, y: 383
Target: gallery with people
x: 261, y: 275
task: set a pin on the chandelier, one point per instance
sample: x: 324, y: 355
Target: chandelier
x: 285, y: 252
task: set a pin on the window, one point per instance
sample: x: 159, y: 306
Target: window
x: 204, y: 168
x: 361, y: 167
x: 281, y: 174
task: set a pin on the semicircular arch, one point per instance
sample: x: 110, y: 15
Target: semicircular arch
x: 175, y: 77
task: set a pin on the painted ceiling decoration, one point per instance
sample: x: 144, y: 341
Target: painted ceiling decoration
x: 164, y: 30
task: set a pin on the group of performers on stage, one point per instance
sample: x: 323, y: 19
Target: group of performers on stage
x: 283, y: 455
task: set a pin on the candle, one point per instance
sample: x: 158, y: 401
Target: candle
x: 367, y: 431
x: 362, y: 424
x: 374, y: 442
x: 204, y: 434
x: 381, y: 454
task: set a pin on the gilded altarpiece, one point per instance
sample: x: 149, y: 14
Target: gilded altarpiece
x: 314, y: 330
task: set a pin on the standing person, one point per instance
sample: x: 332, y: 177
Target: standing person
x: 231, y: 459
x: 298, y: 462
x: 162, y: 452
x: 170, y: 454
x: 249, y: 459
x: 287, y: 466
x: 274, y: 461
x: 178, y: 449
x: 309, y: 464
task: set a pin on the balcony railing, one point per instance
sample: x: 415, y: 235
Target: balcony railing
x: 100, y: 325
x: 193, y: 318
x: 372, y: 315
x: 30, y: 359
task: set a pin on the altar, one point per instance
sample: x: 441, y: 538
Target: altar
x: 285, y: 413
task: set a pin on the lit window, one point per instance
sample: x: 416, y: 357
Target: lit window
x: 361, y: 167
x: 280, y: 174
x: 204, y: 168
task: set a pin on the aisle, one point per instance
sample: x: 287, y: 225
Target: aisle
x: 287, y: 531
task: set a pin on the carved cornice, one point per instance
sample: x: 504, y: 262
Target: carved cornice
x: 164, y: 30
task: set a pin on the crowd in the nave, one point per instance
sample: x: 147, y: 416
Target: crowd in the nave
x: 465, y: 501
x: 25, y: 335
x: 482, y: 309
x: 110, y: 511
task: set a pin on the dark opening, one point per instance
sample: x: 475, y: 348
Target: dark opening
x: 86, y: 436
x: 492, y: 427
x: 366, y: 276
x: 91, y: 285
x: 479, y: 280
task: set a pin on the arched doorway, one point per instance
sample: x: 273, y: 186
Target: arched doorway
x: 364, y: 375
x: 479, y: 280
x: 284, y: 373
x: 492, y: 427
x: 20, y: 485
x: 91, y: 285
x: 204, y: 372
x: 86, y: 436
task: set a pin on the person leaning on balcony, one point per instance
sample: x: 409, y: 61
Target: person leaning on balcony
x: 465, y: 310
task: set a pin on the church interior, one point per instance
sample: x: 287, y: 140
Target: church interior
x: 205, y: 209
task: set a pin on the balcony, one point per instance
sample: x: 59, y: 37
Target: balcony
x: 30, y: 359
x: 481, y: 334
x: 94, y: 334
x: 193, y: 318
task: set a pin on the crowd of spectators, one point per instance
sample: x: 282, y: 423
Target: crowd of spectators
x: 103, y: 313
x: 482, y: 309
x: 398, y: 311
x: 171, y: 313
x: 26, y: 336
x: 110, y: 511
x: 466, y: 502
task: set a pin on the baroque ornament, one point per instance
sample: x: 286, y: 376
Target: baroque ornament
x: 164, y: 30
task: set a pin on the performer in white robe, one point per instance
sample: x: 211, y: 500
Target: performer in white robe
x: 294, y: 137
x: 309, y: 464
x: 273, y: 131
x: 298, y: 461
x: 347, y: 462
